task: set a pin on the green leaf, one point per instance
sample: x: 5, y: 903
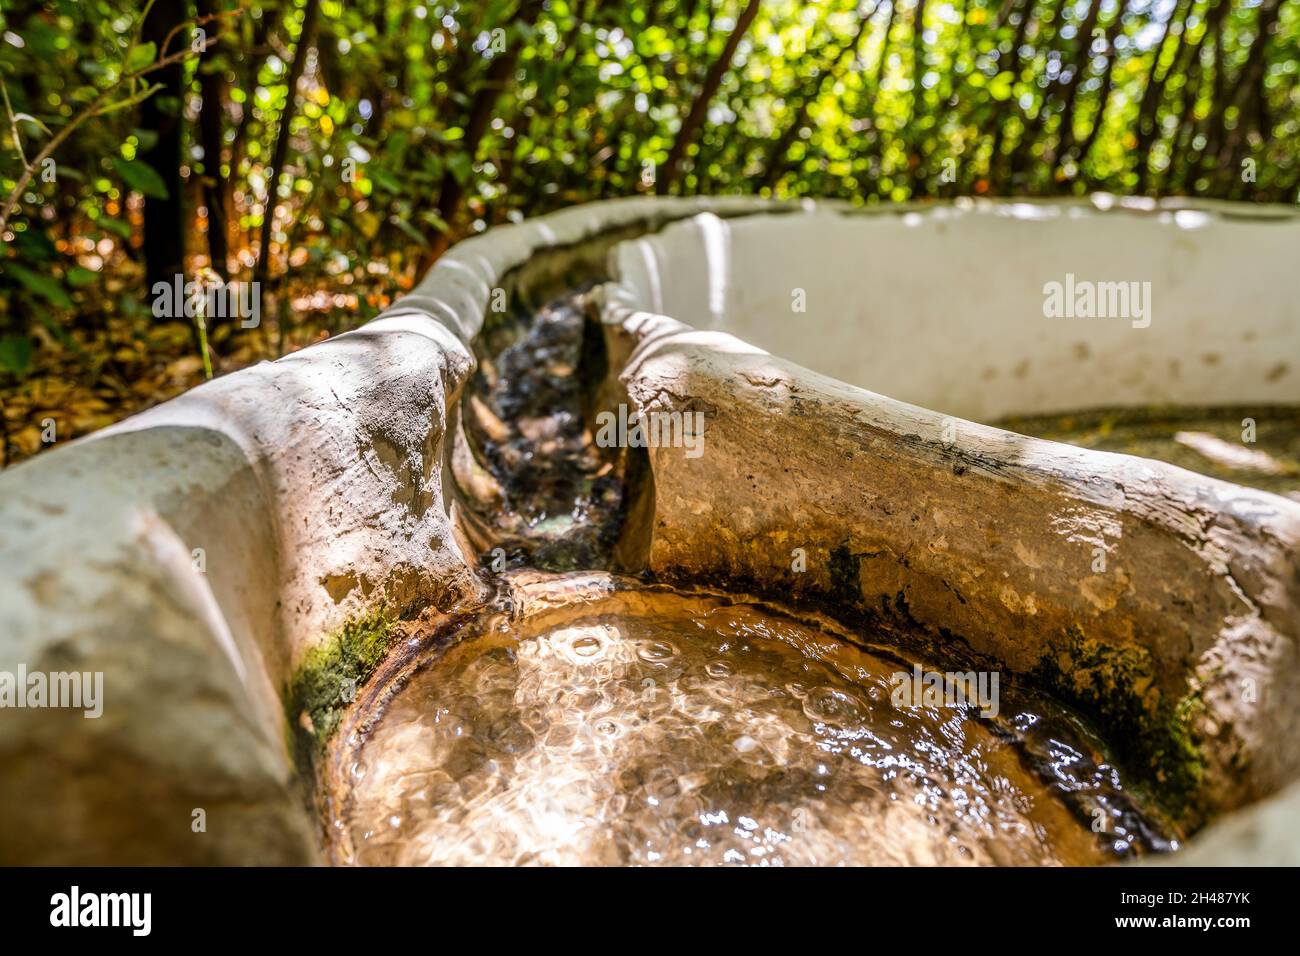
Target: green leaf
x: 116, y: 226
x: 436, y: 221
x: 145, y: 138
x: 460, y: 167
x: 141, y: 56
x: 386, y: 181
x: 16, y: 354
x: 35, y: 246
x: 410, y: 230
x: 141, y: 177
x: 42, y: 285
x: 29, y: 118
x: 79, y: 277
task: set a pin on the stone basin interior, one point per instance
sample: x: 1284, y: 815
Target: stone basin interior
x: 441, y: 621
x: 669, y: 726
x: 943, y: 309
x: 626, y: 724
x: 926, y: 308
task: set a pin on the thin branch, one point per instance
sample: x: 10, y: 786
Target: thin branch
x: 306, y: 37
x: 98, y: 107
x: 699, y: 109
x: 13, y: 123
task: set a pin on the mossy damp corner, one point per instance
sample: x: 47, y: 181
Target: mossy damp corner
x: 327, y: 679
x: 1154, y: 734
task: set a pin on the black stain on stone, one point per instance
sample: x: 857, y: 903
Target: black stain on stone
x: 846, y: 576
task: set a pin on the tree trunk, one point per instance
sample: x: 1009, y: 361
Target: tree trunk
x: 700, y: 107
x: 1149, y: 110
x: 1034, y: 127
x: 775, y: 164
x: 1184, y: 174
x: 1002, y: 115
x: 1187, y: 65
x: 281, y: 154
x: 1248, y: 81
x: 916, y: 155
x: 1065, y: 132
x: 481, y: 109
x: 878, y: 74
x: 380, y: 90
x: 1082, y: 58
x: 164, y: 224
x: 252, y: 49
x: 212, y: 89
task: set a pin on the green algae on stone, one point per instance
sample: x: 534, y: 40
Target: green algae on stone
x: 326, y: 681
x: 1114, y: 686
x: 1111, y: 684
x: 845, y: 570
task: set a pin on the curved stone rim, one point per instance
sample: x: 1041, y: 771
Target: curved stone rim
x: 457, y: 288
x: 1247, y: 540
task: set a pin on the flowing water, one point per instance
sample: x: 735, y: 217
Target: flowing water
x: 645, y: 726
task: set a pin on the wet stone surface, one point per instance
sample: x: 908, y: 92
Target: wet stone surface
x: 562, y: 500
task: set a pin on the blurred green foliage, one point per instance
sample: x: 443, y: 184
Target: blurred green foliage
x: 414, y: 123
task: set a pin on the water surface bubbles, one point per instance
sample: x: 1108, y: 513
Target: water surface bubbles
x: 656, y: 652
x: 759, y: 739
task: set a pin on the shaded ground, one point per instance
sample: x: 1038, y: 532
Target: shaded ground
x: 122, y: 360
x: 1210, y: 441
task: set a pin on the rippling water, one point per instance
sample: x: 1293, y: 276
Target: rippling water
x: 649, y: 727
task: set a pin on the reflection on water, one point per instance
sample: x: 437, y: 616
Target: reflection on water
x: 648, y: 727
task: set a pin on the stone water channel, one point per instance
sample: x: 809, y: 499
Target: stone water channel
x: 436, y: 620
x: 598, y: 719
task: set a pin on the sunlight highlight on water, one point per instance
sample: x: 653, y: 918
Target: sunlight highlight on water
x: 650, y: 727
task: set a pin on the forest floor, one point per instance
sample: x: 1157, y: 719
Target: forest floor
x: 112, y: 362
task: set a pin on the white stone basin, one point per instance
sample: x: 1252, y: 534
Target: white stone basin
x: 944, y: 307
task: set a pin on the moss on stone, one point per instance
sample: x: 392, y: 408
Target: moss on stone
x: 1152, y: 734
x: 1114, y: 686
x: 326, y: 681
